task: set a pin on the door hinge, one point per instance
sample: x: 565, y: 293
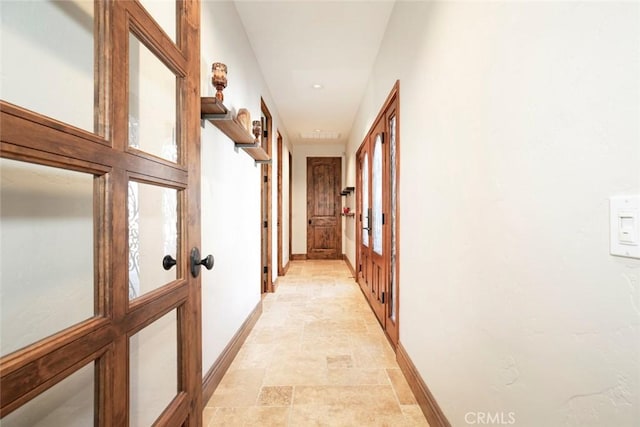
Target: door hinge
x: 382, y: 298
x: 360, y: 217
x: 265, y: 269
x: 382, y: 219
x: 265, y: 133
x: 265, y: 224
x: 266, y: 179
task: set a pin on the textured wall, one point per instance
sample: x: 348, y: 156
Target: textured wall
x: 518, y: 122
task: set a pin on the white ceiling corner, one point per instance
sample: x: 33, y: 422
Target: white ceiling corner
x: 299, y: 43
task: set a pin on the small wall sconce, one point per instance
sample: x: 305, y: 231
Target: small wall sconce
x: 219, y: 78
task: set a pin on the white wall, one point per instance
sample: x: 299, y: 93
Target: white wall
x: 518, y: 121
x: 299, y: 211
x: 231, y: 184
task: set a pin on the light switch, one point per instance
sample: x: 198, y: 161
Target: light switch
x: 628, y: 227
x: 625, y: 226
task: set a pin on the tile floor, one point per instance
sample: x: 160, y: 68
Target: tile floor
x: 316, y: 357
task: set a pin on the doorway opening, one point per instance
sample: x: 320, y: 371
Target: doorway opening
x: 265, y: 203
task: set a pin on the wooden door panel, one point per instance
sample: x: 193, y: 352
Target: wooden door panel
x: 324, y: 229
x: 377, y: 287
x: 324, y: 237
x: 104, y: 339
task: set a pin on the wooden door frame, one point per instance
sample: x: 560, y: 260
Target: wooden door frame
x: 338, y: 204
x: 290, y: 205
x: 279, y: 221
x: 392, y: 109
x: 265, y: 176
x: 358, y: 212
x: 103, y: 338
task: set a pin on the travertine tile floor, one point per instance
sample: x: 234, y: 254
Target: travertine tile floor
x: 316, y: 357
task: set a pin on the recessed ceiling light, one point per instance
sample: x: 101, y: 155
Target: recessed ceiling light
x: 317, y: 86
x: 320, y: 134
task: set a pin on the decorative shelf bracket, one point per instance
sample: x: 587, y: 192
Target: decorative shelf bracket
x: 218, y: 115
x: 347, y: 190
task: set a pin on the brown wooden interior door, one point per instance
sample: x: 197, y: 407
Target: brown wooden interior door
x: 378, y: 244
x: 372, y: 214
x: 112, y: 337
x: 324, y: 229
x: 364, y: 219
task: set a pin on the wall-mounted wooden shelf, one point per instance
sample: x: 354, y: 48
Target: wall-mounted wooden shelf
x: 347, y: 190
x: 211, y: 105
x: 218, y: 115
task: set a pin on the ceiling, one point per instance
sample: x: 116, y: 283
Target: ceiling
x: 299, y: 44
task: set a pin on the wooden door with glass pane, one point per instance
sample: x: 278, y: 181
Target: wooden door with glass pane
x: 377, y: 246
x: 100, y: 213
x: 377, y: 208
x: 363, y: 234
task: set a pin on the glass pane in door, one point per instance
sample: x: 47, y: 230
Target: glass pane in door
x: 69, y: 403
x: 153, y: 370
x: 47, y: 57
x: 392, y: 166
x: 152, y: 103
x: 376, y: 183
x: 366, y: 221
x: 153, y: 235
x: 46, y: 251
x: 164, y: 13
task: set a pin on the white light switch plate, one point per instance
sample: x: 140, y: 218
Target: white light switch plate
x: 625, y: 226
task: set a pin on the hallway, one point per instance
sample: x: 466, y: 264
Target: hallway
x: 317, y: 356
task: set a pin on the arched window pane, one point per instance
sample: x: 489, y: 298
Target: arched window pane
x: 376, y: 183
x: 365, y: 200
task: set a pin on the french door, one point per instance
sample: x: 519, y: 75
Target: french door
x: 373, y: 249
x: 377, y: 206
x: 364, y: 231
x: 100, y: 164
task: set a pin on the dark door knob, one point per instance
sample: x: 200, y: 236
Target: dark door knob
x: 196, y: 262
x: 167, y: 262
x: 207, y: 262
